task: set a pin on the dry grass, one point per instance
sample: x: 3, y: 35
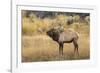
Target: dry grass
x: 43, y: 48
x: 40, y: 47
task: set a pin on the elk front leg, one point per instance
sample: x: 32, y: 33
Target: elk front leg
x: 61, y: 48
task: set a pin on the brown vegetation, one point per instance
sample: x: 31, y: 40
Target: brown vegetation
x: 37, y: 46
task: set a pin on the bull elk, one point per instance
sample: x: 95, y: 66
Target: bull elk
x: 66, y: 36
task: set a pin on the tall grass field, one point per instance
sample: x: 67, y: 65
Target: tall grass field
x: 38, y: 46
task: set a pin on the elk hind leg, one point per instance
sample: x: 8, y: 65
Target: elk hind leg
x: 76, y: 47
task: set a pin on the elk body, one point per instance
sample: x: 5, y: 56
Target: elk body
x: 61, y: 37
